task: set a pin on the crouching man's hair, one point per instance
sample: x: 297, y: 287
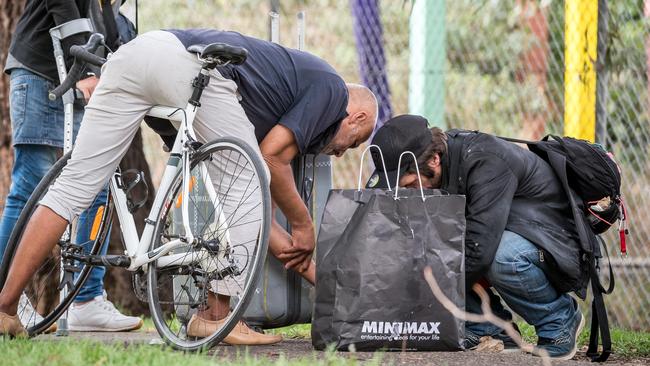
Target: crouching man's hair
x: 438, y: 146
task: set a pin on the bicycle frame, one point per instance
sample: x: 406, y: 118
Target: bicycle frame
x: 179, y: 159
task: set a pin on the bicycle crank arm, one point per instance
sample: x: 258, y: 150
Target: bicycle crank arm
x: 109, y: 260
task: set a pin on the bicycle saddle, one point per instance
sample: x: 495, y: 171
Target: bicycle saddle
x: 220, y: 51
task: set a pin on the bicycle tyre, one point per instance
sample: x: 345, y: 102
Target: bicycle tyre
x: 14, y: 239
x: 160, y: 318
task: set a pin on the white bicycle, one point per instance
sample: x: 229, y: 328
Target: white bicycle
x: 199, y: 237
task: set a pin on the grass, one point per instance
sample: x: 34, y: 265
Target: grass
x: 625, y: 343
x: 298, y: 331
x: 75, y: 353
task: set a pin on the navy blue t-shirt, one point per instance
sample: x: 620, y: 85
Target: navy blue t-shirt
x: 282, y: 85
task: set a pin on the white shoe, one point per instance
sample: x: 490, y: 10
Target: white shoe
x: 26, y: 313
x: 100, y: 315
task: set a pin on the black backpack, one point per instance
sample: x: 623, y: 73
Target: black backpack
x: 591, y: 172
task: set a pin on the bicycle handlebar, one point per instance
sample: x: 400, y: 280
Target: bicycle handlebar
x: 82, y: 55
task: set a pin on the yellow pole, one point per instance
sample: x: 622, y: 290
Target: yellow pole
x: 580, y: 41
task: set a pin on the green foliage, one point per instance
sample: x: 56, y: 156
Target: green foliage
x: 298, y: 331
x: 488, y: 87
x: 627, y: 117
x: 74, y: 353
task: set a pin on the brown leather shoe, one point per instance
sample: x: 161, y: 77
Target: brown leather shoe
x: 241, y: 334
x: 51, y: 329
x: 11, y: 326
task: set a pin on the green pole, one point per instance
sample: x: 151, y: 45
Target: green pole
x: 427, y: 62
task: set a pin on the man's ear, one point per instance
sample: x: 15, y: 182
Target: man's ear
x: 434, y: 162
x: 358, y: 118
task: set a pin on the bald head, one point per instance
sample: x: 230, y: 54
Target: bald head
x: 357, y: 127
x: 362, y: 99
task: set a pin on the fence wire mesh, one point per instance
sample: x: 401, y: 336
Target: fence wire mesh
x: 513, y: 67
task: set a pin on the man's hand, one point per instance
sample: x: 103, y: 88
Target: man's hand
x: 87, y: 86
x: 280, y: 242
x: 298, y: 255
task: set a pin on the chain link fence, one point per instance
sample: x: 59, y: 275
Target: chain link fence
x: 511, y: 67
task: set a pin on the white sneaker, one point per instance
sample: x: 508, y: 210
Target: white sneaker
x: 100, y: 315
x: 28, y: 316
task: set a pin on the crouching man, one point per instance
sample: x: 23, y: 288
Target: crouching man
x: 520, y: 234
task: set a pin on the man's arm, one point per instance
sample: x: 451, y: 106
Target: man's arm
x: 491, y: 187
x: 63, y: 11
x: 279, y: 149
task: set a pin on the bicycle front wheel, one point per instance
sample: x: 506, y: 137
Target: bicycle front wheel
x: 230, y: 216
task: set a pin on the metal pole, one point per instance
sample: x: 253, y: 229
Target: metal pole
x: 427, y: 62
x: 580, y: 41
x: 602, y: 74
x: 301, y: 30
x: 275, y: 27
x: 68, y: 104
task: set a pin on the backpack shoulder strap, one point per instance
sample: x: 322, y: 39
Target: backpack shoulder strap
x: 599, y: 321
x: 112, y: 37
x: 454, y: 151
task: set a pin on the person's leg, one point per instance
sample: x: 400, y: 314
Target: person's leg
x: 474, y: 332
x: 33, y: 155
x: 31, y: 163
x: 94, y: 285
x: 91, y: 310
x: 239, y: 193
x: 40, y: 236
x: 112, y: 118
x: 233, y: 179
x: 517, y: 273
x: 473, y: 306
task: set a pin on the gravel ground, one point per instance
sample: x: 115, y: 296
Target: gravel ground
x: 301, y: 348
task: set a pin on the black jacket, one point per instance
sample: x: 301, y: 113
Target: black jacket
x: 510, y: 188
x: 31, y: 43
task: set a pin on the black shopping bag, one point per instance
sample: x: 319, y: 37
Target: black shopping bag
x: 370, y: 290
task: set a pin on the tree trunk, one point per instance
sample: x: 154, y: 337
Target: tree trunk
x: 10, y: 11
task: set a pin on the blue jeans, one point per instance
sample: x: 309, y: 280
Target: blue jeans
x: 37, y: 128
x: 517, y: 274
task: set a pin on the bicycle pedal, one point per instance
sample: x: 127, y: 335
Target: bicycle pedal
x: 71, y: 268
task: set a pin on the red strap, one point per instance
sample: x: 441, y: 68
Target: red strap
x: 622, y: 229
x: 621, y: 233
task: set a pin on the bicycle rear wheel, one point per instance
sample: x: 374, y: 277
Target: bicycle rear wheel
x: 230, y: 215
x: 42, y: 302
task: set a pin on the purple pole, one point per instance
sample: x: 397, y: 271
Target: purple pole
x: 370, y: 49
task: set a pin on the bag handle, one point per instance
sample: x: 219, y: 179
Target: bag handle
x: 383, y: 163
x: 417, y: 169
